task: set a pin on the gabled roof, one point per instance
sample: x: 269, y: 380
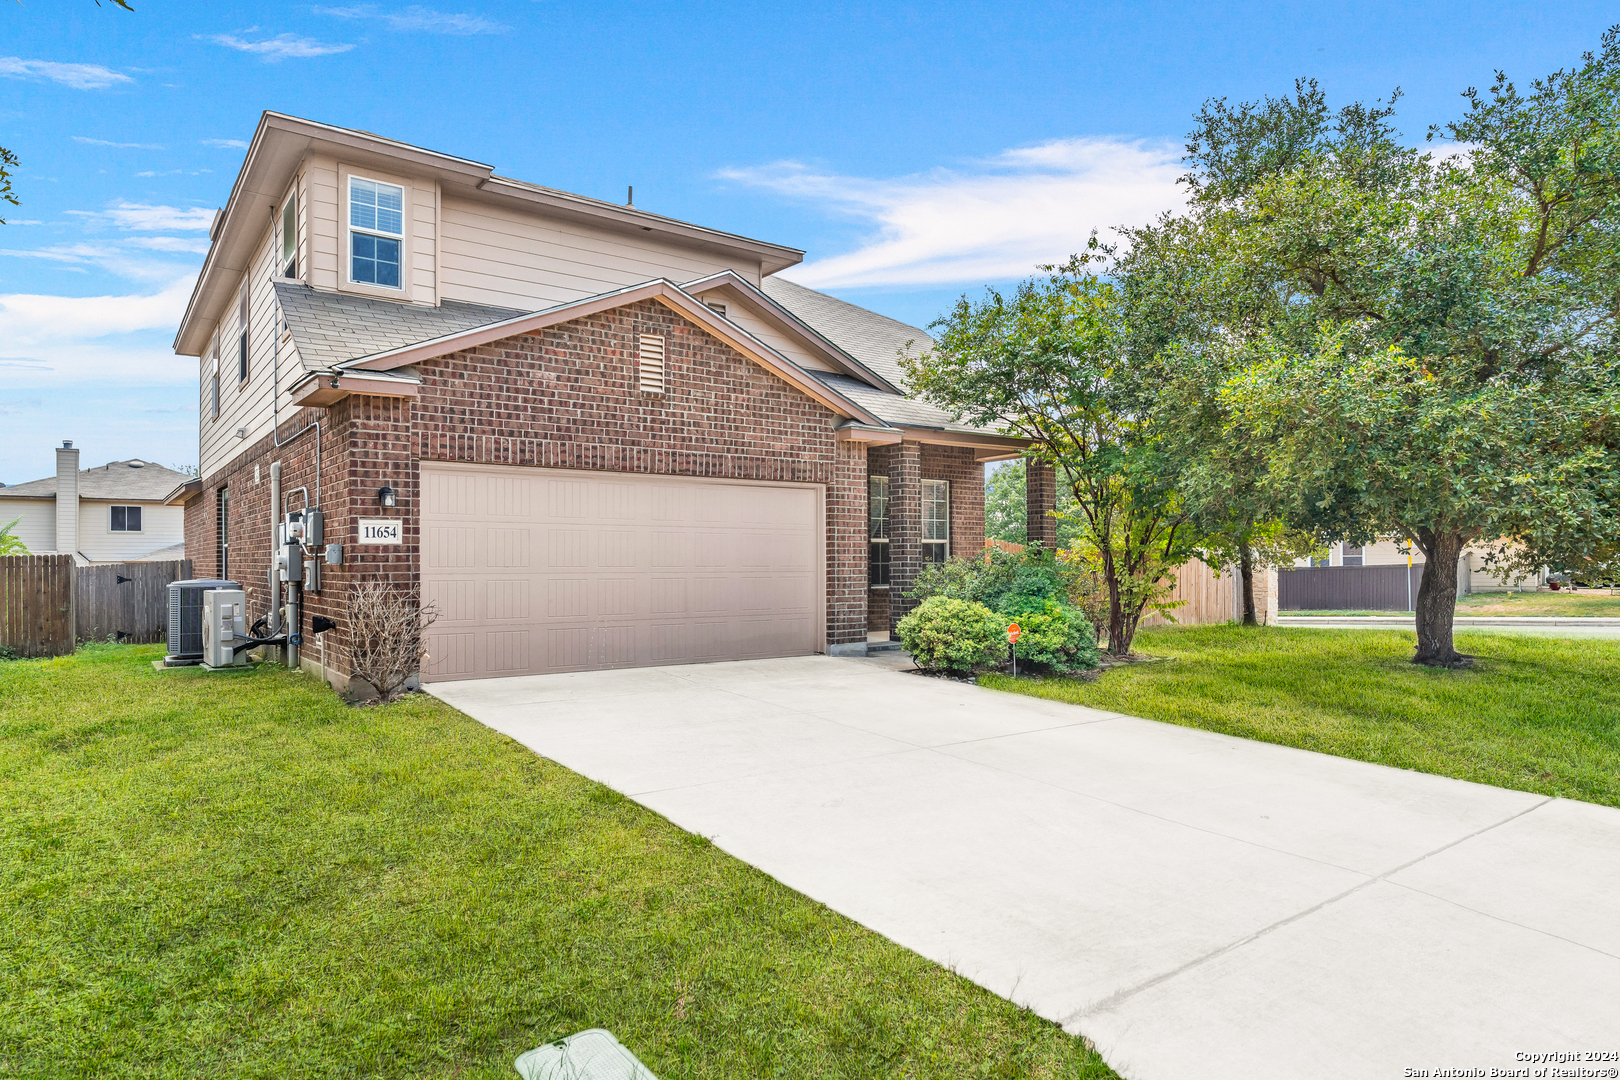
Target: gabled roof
x: 661, y: 290
x: 133, y: 480
x: 874, y: 340
x: 279, y: 146
x: 330, y: 328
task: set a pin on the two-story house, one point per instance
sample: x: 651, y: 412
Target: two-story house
x: 608, y: 438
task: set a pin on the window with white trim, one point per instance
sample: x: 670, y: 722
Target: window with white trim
x: 1354, y: 555
x: 650, y: 366
x: 243, y: 318
x: 289, y: 237
x: 936, y: 530
x: 213, y: 369
x: 376, y: 232
x: 877, y: 521
x: 125, y: 519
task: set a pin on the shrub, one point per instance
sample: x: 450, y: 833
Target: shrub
x: 1018, y: 585
x: 385, y: 636
x: 1056, y: 639
x: 958, y: 636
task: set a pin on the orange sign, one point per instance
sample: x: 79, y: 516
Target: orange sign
x: 1012, y: 634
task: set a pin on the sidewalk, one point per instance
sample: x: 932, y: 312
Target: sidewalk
x: 1538, y: 625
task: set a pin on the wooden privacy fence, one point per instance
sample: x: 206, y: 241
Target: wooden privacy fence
x: 48, y: 605
x: 1356, y: 588
x: 36, y: 604
x: 127, y: 601
x: 1204, y: 597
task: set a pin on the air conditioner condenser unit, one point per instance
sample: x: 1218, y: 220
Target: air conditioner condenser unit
x: 224, y: 626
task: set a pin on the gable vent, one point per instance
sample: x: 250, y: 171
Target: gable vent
x: 652, y: 363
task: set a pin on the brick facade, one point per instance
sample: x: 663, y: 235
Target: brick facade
x: 564, y: 397
x: 907, y: 465
x: 1040, y: 499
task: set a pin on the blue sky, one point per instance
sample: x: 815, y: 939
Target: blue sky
x: 914, y: 152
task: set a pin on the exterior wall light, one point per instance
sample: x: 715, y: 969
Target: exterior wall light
x: 385, y: 497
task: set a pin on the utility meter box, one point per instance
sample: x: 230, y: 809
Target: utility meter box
x: 224, y: 624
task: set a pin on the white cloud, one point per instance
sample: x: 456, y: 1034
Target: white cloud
x: 146, y: 218
x: 94, y: 339
x: 418, y: 19
x: 117, y: 145
x: 78, y: 76
x: 280, y: 47
x: 225, y: 144
x: 171, y: 243
x: 993, y: 221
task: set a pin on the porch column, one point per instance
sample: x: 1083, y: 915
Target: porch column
x: 905, y: 527
x: 846, y: 551
x: 1040, y: 498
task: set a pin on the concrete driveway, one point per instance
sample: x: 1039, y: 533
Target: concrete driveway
x: 1197, y: 905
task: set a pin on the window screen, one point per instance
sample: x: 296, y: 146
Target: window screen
x: 877, y: 528
x: 936, y: 532
x: 126, y: 519
x: 289, y: 238
x: 1353, y: 555
x: 376, y: 228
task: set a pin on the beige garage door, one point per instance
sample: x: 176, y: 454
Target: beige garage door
x: 540, y: 570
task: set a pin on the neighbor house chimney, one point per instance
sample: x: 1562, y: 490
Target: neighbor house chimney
x: 67, y: 498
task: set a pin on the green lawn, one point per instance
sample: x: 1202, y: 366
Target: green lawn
x: 1538, y: 714
x: 237, y: 875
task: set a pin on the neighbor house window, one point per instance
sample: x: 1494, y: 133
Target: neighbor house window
x: 376, y: 232
x: 877, y: 518
x: 289, y: 238
x: 1353, y: 555
x: 243, y: 312
x: 936, y: 499
x: 1320, y: 560
x: 222, y: 530
x: 126, y: 519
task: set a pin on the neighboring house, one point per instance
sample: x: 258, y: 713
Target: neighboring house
x: 1472, y: 575
x: 115, y: 512
x: 608, y: 438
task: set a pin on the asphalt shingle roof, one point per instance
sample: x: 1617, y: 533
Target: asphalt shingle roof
x: 329, y: 328
x: 875, y: 340
x: 134, y: 480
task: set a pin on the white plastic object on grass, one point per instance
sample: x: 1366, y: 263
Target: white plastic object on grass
x: 589, y: 1055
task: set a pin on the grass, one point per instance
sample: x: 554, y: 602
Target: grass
x: 1537, y: 714
x: 1587, y: 602
x: 238, y: 875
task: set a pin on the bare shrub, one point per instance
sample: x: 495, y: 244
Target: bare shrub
x: 386, y: 628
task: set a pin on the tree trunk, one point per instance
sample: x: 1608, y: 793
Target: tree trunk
x: 1436, y: 602
x: 1246, y: 568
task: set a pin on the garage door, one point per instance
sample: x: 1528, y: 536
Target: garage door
x: 539, y: 570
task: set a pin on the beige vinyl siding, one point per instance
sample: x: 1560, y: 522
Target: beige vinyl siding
x: 495, y: 255
x: 37, y: 527
x: 161, y: 527
x: 770, y: 335
x: 246, y: 405
x: 321, y: 183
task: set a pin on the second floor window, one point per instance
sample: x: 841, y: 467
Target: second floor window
x: 243, y: 318
x: 126, y: 519
x: 289, y: 238
x: 376, y: 232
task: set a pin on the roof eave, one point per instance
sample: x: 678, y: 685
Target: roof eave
x: 771, y: 257
x: 853, y: 367
x: 660, y: 289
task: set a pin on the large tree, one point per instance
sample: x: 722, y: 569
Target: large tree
x: 1441, y: 364
x: 1059, y: 363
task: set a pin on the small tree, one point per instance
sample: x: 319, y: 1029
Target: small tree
x: 1063, y: 364
x: 386, y: 628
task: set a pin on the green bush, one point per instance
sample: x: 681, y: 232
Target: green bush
x: 1056, y: 640
x: 958, y: 636
x: 1035, y: 589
